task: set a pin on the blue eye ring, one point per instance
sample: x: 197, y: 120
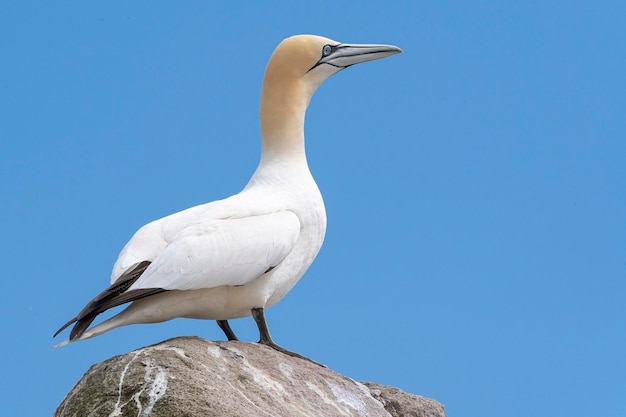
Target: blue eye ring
x: 326, y: 50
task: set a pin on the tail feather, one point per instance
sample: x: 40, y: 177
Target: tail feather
x: 65, y: 326
x: 115, y: 295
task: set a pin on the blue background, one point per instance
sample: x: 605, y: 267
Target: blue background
x: 475, y: 188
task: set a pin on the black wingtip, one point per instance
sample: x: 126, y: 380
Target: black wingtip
x: 65, y: 326
x: 113, y: 296
x: 81, y: 326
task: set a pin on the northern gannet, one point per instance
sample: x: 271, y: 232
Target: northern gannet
x: 235, y: 257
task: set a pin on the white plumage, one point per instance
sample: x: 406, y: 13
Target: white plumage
x: 235, y: 257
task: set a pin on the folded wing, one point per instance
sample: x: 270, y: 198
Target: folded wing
x: 206, y: 254
x: 231, y: 251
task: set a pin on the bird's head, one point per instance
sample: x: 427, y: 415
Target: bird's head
x: 312, y: 59
x: 297, y: 67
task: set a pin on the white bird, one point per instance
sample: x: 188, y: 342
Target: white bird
x: 235, y: 257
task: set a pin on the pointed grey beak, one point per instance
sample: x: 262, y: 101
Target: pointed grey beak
x: 343, y: 55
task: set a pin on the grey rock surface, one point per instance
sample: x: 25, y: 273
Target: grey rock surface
x: 189, y: 376
x: 401, y: 404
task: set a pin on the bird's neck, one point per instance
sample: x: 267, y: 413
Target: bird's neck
x: 282, y: 111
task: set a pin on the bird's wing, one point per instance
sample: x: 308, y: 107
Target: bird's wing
x: 230, y: 251
x: 152, y: 239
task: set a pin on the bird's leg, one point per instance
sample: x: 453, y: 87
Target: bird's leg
x: 266, y: 338
x: 226, y: 329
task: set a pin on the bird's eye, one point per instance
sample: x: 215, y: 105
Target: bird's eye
x: 326, y: 50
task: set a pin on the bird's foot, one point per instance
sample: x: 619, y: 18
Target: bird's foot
x: 288, y: 352
x: 266, y: 339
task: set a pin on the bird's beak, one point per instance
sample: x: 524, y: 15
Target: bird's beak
x: 343, y: 55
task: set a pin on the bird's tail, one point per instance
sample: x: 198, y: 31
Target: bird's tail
x: 117, y: 294
x: 105, y: 326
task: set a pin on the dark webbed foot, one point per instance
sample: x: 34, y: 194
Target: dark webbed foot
x: 226, y: 329
x: 266, y: 338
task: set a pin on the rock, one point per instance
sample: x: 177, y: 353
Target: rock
x: 401, y: 404
x: 189, y: 376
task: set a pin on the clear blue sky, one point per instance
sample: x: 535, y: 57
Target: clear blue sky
x: 475, y: 188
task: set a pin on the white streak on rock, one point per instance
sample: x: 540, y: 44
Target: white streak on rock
x: 158, y: 385
x: 117, y: 411
x: 236, y: 390
x: 155, y: 377
x: 178, y: 350
x: 260, y: 377
x: 349, y: 398
x: 214, y: 350
x: 285, y: 369
x: 325, y: 398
